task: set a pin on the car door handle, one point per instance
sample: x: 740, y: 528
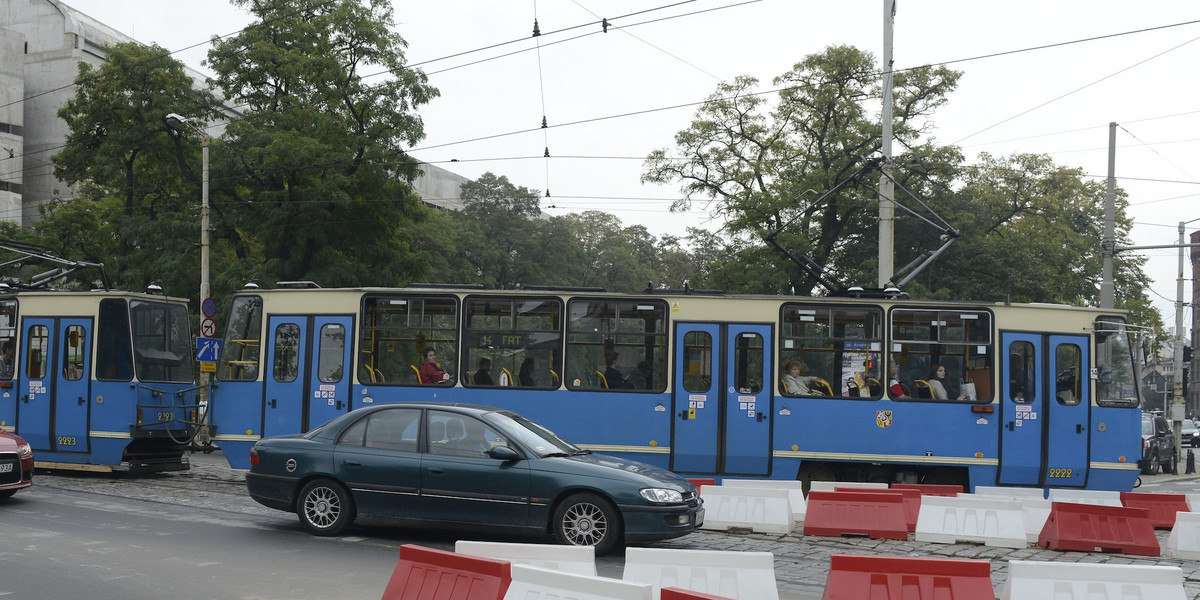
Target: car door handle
x: 437, y: 471
x: 351, y: 463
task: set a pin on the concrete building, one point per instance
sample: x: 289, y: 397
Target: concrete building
x: 41, y: 44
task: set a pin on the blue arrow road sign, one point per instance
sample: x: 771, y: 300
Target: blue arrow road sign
x: 208, y: 349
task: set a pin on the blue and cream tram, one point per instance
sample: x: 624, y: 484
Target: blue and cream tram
x: 98, y: 380
x: 1036, y: 395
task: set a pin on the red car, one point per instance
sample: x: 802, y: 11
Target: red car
x: 16, y: 464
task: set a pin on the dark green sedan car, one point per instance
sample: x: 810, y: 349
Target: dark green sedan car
x: 471, y: 468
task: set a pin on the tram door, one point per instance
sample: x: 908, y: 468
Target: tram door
x: 722, y: 400
x: 52, y: 413
x: 1045, y: 410
x: 308, y: 372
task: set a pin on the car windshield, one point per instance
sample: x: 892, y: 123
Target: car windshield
x: 1188, y: 427
x: 1147, y: 427
x: 540, y: 440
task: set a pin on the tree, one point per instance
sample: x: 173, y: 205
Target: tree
x: 507, y: 220
x: 136, y: 210
x: 323, y: 188
x: 760, y: 167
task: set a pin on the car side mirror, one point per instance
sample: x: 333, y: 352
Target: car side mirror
x: 503, y: 453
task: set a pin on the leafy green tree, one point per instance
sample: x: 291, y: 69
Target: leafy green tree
x: 136, y: 210
x: 760, y: 165
x: 323, y: 187
x: 507, y: 222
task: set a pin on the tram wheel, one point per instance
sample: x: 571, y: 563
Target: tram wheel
x: 814, y: 472
x: 325, y: 507
x: 588, y: 520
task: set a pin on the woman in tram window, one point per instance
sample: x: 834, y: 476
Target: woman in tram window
x: 937, y: 382
x: 430, y: 371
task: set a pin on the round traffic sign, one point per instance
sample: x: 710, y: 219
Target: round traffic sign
x: 208, y: 327
x: 208, y: 307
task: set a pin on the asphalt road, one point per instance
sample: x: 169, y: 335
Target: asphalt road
x: 197, y: 535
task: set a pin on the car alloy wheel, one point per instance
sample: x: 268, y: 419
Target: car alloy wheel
x: 587, y: 520
x: 325, y: 507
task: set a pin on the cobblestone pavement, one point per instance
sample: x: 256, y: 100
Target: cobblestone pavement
x: 801, y: 562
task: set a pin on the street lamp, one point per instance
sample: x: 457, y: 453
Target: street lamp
x: 179, y: 124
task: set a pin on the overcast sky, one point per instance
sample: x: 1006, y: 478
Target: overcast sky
x: 1034, y: 80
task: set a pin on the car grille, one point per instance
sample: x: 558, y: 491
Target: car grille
x: 11, y: 474
x: 691, y: 498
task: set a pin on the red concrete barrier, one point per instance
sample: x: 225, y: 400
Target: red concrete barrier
x: 891, y: 577
x: 930, y: 489
x: 699, y: 481
x: 429, y: 574
x: 1091, y: 528
x: 678, y: 594
x: 1162, y: 507
x: 912, y: 502
x: 863, y: 512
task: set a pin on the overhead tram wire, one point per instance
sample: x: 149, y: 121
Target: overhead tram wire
x: 537, y: 40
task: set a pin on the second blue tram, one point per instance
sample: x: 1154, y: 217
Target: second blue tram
x: 99, y: 380
x: 1036, y: 395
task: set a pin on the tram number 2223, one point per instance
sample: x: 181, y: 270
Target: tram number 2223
x: 1060, y: 473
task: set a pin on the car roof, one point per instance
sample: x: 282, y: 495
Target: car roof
x: 461, y: 407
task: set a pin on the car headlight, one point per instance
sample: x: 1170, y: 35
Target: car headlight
x: 661, y: 495
x: 25, y: 449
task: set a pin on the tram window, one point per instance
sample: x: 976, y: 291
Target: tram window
x: 8, y: 338
x: 1021, y: 383
x: 162, y: 342
x: 114, y: 360
x: 240, y: 356
x: 331, y: 353
x: 36, y: 348
x: 396, y: 331
x: 748, y: 363
x: 520, y: 338
x: 697, y: 362
x: 960, y: 340
x: 836, y: 350
x: 286, y: 363
x: 73, y: 353
x: 1116, y: 382
x: 627, y: 335
x: 1067, y: 385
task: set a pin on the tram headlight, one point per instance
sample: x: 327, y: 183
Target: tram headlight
x: 661, y: 496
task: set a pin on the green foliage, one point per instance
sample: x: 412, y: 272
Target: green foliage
x: 323, y: 187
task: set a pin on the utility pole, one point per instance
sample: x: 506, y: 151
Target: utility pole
x: 1109, y: 243
x: 887, y: 207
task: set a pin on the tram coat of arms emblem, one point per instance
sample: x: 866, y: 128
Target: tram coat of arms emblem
x: 883, y: 418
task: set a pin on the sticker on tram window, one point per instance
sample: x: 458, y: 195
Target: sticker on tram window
x: 1060, y: 473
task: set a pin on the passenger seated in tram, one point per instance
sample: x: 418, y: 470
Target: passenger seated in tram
x: 895, y: 388
x: 616, y: 381
x: 484, y: 375
x: 937, y: 382
x: 6, y: 360
x: 794, y: 383
x: 431, y: 372
x: 525, y: 375
x: 642, y: 378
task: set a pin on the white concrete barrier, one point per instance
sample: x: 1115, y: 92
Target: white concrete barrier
x: 1029, y: 580
x: 796, y: 502
x: 989, y: 521
x: 534, y: 583
x: 746, y: 575
x: 760, y: 509
x: 1184, y: 539
x: 1034, y: 509
x: 580, y: 560
x: 1010, y: 492
x: 828, y: 486
x: 1094, y: 497
x: 1193, y: 501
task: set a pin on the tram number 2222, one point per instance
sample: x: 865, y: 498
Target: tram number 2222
x: 1060, y: 473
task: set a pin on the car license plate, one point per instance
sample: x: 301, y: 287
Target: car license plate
x: 6, y: 468
x: 698, y: 518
